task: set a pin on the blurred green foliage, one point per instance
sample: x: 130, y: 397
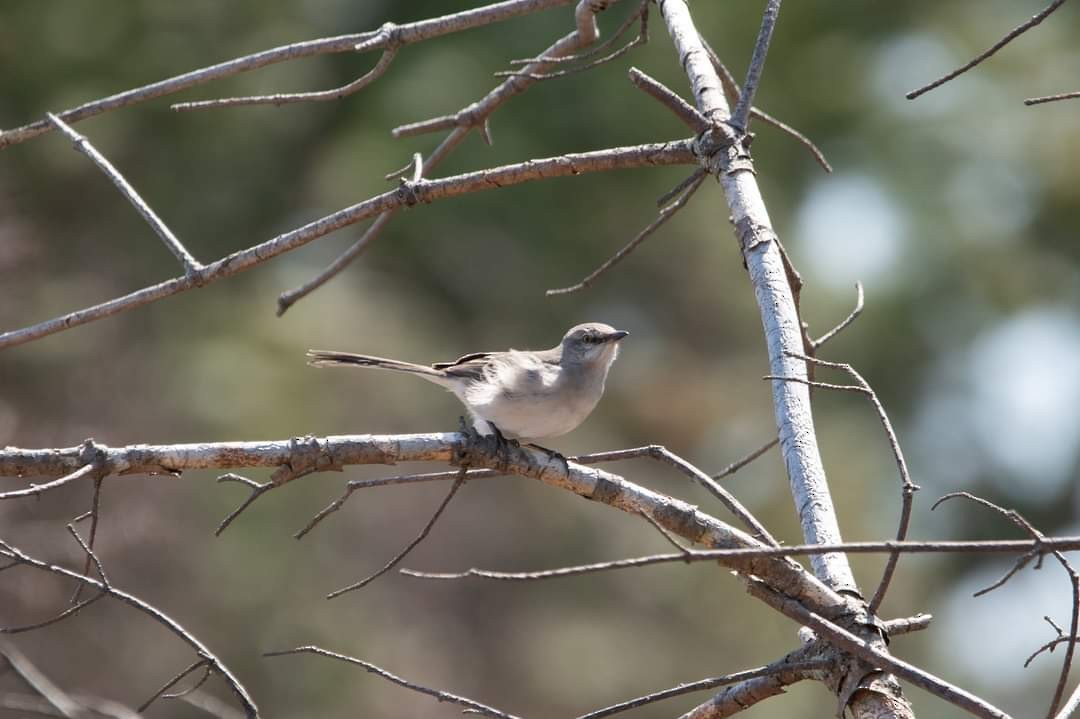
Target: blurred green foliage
x: 958, y: 211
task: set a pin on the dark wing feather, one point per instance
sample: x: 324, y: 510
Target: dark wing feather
x: 470, y: 366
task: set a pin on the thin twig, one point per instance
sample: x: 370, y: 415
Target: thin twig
x: 411, y: 545
x: 907, y: 487
x: 470, y: 705
x: 460, y: 124
x: 669, y: 99
x: 191, y: 265
x: 94, y: 514
x: 687, y: 554
x: 573, y: 164
x: 875, y: 656
x: 854, y: 315
x: 90, y: 555
x: 197, y: 664
x: 757, y: 65
x: 732, y: 91
x: 288, y: 98
x: 640, y: 39
x: 747, y: 459
x: 404, y: 34
x: 592, y: 52
x: 154, y: 613
x: 36, y: 489
x: 665, y: 214
x: 1052, y: 98
x: 257, y: 490
x: 1009, y: 37
x: 784, y: 665
x: 1038, y: 550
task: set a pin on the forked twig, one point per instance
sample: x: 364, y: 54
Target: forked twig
x: 470, y: 705
x: 462, y: 475
x: 747, y: 459
x: 288, y: 98
x: 733, y: 92
x: 1039, y: 548
x: 640, y: 39
x: 1005, y: 40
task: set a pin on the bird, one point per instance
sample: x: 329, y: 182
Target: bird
x: 517, y: 394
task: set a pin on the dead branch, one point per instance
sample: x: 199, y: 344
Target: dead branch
x: 730, y: 161
x: 411, y: 545
x: 1005, y: 40
x: 1052, y: 98
x: 741, y: 113
x: 106, y: 589
x: 471, y: 707
x: 688, y: 188
x: 408, y: 195
x: 356, y: 42
x: 473, y: 116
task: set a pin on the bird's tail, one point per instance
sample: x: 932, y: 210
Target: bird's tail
x: 325, y: 358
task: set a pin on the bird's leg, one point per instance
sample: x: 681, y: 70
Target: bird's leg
x: 494, y: 444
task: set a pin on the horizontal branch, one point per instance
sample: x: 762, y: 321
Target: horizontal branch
x: 355, y: 42
x: 300, y: 456
x: 406, y: 195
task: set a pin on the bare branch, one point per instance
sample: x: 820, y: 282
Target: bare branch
x: 747, y: 459
x: 757, y: 64
x: 686, y: 554
x: 288, y: 98
x: 727, y: 156
x: 156, y: 614
x: 690, y: 186
x: 732, y: 91
x: 640, y: 39
x: 194, y: 666
x: 820, y: 341
x: 357, y: 42
x: 790, y: 665
x: 678, y: 517
x: 669, y: 99
x: 672, y: 153
x: 94, y: 514
x: 470, y: 705
x: 411, y: 545
x: 461, y: 124
x: 1052, y: 98
x: 907, y: 487
x: 876, y: 657
x: 1009, y: 37
x: 190, y: 264
x: 36, y: 489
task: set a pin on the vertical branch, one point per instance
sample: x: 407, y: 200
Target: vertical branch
x: 779, y: 314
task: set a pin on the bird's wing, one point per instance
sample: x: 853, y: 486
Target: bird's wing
x: 470, y: 366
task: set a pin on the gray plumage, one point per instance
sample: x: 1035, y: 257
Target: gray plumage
x: 526, y: 394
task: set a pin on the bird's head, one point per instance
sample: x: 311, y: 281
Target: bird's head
x: 593, y: 342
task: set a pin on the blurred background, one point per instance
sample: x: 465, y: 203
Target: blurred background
x: 957, y: 211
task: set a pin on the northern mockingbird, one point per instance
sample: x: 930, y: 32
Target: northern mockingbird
x: 518, y: 394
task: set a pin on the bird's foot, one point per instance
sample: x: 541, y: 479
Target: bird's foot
x: 489, y: 445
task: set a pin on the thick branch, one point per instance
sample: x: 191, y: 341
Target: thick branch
x: 407, y: 195
x: 676, y: 516
x: 779, y: 314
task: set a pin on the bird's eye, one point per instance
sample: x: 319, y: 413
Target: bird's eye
x: 589, y: 338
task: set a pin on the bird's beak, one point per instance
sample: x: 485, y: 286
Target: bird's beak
x: 616, y: 336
